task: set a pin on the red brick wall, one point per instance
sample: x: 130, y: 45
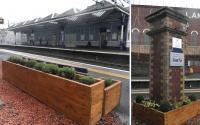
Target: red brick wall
x: 139, y: 12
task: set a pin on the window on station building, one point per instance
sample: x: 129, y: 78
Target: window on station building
x: 82, y: 37
x: 114, y: 36
x: 135, y: 36
x: 194, y: 35
x: 91, y: 37
x: 91, y: 32
x: 147, y: 39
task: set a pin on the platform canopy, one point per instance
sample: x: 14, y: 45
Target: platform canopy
x: 100, y: 11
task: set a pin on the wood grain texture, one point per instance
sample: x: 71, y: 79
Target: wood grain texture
x: 79, y: 102
x: 173, y: 117
x: 111, y: 97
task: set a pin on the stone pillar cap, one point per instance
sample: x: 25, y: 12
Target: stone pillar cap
x: 166, y: 11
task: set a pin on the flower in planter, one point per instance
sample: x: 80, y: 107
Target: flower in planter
x: 185, y: 100
x: 177, y: 104
x: 87, y: 80
x: 108, y: 81
x: 151, y: 104
x: 67, y: 72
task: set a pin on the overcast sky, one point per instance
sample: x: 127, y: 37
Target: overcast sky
x: 21, y: 10
x: 173, y: 3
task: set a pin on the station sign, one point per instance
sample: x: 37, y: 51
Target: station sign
x: 176, y: 59
x: 176, y: 43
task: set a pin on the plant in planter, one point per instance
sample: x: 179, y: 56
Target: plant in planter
x: 192, y: 97
x: 185, y: 100
x: 108, y: 81
x: 166, y: 106
x: 50, y: 68
x: 139, y: 99
x: 67, y: 72
x: 17, y: 60
x: 31, y: 63
x: 39, y: 66
x: 151, y: 104
x: 87, y: 80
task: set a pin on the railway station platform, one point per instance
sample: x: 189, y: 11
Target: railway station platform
x: 101, y: 58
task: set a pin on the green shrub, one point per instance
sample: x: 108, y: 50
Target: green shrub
x: 166, y: 106
x: 185, y: 100
x: 17, y: 60
x: 67, y: 72
x: 139, y: 99
x: 39, y: 66
x: 87, y: 80
x: 151, y: 104
x: 50, y: 68
x: 31, y: 63
x: 192, y: 97
x: 176, y: 104
x: 108, y: 81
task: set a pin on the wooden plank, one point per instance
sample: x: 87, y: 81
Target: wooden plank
x: 79, y: 102
x: 111, y: 97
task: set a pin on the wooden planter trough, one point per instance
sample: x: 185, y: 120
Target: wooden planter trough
x: 173, y: 117
x: 79, y: 102
x: 111, y: 97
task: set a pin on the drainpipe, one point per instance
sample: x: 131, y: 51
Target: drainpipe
x: 15, y: 37
x: 122, y: 32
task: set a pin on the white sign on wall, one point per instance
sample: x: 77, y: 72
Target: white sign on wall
x: 176, y: 43
x: 176, y: 59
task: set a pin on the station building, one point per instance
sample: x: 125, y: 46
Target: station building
x: 101, y: 25
x: 141, y: 41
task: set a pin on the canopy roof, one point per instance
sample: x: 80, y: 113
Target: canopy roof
x: 74, y: 15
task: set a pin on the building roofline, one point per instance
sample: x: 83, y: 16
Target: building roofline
x: 77, y: 14
x: 80, y: 13
x: 158, y: 6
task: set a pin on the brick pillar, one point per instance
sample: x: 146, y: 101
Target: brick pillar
x: 167, y: 77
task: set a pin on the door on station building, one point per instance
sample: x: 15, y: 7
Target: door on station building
x: 103, y: 37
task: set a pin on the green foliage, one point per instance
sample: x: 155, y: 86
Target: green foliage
x: 166, y: 106
x: 192, y: 97
x: 176, y: 104
x: 87, y: 80
x: 50, y: 68
x: 151, y: 104
x: 139, y: 99
x: 185, y: 100
x: 67, y: 72
x: 31, y: 63
x: 17, y: 60
x: 39, y: 66
x: 108, y: 81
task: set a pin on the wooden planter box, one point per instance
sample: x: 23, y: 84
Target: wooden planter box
x: 173, y: 117
x: 79, y: 102
x: 111, y: 97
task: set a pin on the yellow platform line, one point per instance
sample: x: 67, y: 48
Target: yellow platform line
x: 109, y: 73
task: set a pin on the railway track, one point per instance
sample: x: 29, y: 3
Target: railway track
x: 141, y: 86
x: 106, y: 59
